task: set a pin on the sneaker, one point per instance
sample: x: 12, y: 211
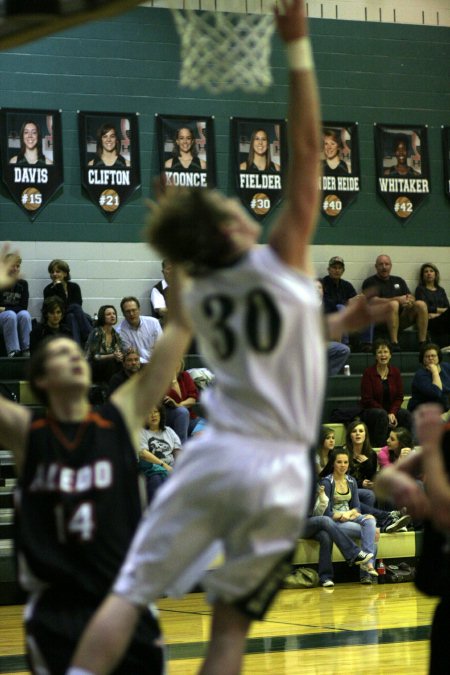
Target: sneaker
x: 370, y: 570
x: 362, y: 558
x: 328, y: 583
x: 13, y: 354
x: 398, y: 524
x: 26, y: 353
x: 366, y: 580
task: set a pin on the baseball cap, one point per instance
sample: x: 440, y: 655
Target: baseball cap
x: 336, y: 260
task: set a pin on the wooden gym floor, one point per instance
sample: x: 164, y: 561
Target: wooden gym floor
x: 352, y: 629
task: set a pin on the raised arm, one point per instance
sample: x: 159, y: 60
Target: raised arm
x: 146, y: 389
x: 293, y: 232
x: 430, y: 433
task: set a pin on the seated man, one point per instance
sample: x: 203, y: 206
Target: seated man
x: 138, y: 331
x: 406, y: 310
x: 336, y: 291
x: 15, y: 320
x: 131, y: 364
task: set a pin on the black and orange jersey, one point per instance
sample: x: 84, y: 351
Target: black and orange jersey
x: 78, y: 502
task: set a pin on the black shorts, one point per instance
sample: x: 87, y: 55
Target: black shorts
x: 56, y: 623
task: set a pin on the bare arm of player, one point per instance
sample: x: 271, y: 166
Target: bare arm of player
x: 430, y: 432
x: 363, y: 311
x: 146, y: 389
x: 14, y: 419
x: 293, y: 232
x: 114, y: 623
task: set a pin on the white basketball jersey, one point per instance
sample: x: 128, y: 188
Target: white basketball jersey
x: 259, y: 327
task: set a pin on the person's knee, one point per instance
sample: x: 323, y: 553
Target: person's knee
x: 8, y: 317
x: 420, y: 307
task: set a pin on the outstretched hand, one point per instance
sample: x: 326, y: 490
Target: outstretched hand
x: 404, y: 490
x: 5, y: 266
x: 291, y: 19
x: 364, y: 310
x: 429, y: 426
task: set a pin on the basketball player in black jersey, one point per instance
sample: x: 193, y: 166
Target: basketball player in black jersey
x: 432, y: 506
x: 78, y: 501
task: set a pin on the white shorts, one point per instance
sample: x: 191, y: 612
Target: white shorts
x: 248, y: 494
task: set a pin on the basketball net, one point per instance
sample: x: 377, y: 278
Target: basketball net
x: 222, y: 51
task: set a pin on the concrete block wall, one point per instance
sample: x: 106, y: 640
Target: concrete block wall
x: 421, y: 12
x: 108, y: 271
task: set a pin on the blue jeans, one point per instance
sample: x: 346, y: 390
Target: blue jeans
x: 362, y: 528
x: 337, y: 356
x: 178, y: 419
x: 324, y: 530
x: 16, y: 329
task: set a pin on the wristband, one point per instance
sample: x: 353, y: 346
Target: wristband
x: 299, y: 54
x: 78, y: 671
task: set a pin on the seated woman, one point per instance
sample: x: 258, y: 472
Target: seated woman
x: 399, y: 444
x: 382, y: 396
x: 363, y: 465
x: 179, y: 401
x: 344, y: 508
x: 52, y: 323
x: 324, y: 530
x: 104, y: 349
x: 327, y: 441
x: 431, y: 383
x: 363, y: 468
x: 436, y: 300
x: 70, y: 293
x: 158, y: 448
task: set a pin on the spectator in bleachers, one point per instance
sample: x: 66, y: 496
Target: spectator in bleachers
x: 324, y: 530
x: 431, y: 383
x: 382, y: 396
x: 406, y: 310
x: 138, y: 331
x: 337, y: 352
x: 158, y: 448
x: 159, y: 292
x: 131, y: 364
x: 52, y: 323
x: 336, y: 290
x: 104, y: 349
x: 363, y: 468
x: 15, y: 319
x: 327, y: 441
x: 399, y: 444
x: 78, y: 321
x: 344, y: 508
x: 435, y: 297
x: 179, y: 402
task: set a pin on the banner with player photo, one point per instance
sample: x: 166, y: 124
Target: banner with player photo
x: 32, y: 164
x: 109, y: 157
x: 259, y: 162
x: 186, y: 150
x: 402, y: 164
x: 446, y: 149
x: 340, y: 180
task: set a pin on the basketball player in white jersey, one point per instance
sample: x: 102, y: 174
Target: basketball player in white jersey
x: 246, y: 480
